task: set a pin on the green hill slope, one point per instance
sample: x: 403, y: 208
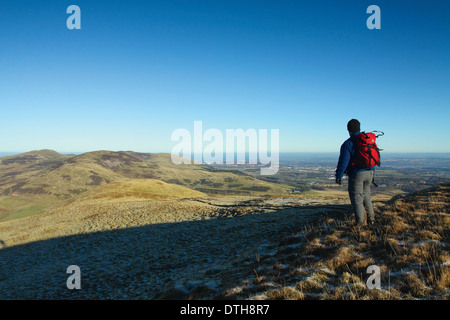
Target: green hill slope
x: 134, y: 189
x: 33, y: 181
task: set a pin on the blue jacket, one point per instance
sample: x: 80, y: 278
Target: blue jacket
x: 344, y: 165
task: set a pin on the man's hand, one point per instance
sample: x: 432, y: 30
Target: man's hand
x: 338, y: 181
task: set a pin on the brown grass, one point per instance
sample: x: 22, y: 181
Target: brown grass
x: 409, y: 243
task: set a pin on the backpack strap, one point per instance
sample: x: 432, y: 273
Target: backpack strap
x: 381, y: 133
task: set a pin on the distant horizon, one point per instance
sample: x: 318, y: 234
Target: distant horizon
x: 283, y: 155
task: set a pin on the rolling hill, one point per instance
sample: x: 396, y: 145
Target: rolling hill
x: 37, y: 180
x: 136, y: 189
x: 192, y: 249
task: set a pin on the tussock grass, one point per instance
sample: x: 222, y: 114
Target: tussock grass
x: 285, y: 293
x: 409, y: 242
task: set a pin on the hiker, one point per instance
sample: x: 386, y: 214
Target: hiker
x: 359, y: 179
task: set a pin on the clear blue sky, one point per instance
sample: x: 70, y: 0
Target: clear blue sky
x: 137, y: 70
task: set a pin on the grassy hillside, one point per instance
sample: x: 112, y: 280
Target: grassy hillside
x: 17, y: 170
x: 145, y: 242
x: 36, y: 180
x: 130, y: 248
x: 20, y: 196
x: 135, y: 189
x: 329, y: 260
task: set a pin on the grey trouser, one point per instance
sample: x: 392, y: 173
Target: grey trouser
x: 360, y: 197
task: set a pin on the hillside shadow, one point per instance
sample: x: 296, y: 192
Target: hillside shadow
x: 136, y: 262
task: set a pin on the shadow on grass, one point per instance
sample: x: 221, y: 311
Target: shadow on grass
x: 136, y: 262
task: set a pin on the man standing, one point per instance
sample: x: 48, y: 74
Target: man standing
x: 359, y: 179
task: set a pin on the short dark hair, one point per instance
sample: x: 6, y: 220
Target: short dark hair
x: 353, y: 126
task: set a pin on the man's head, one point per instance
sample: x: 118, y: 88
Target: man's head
x: 353, y: 126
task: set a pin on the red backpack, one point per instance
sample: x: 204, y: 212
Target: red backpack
x: 367, y: 154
